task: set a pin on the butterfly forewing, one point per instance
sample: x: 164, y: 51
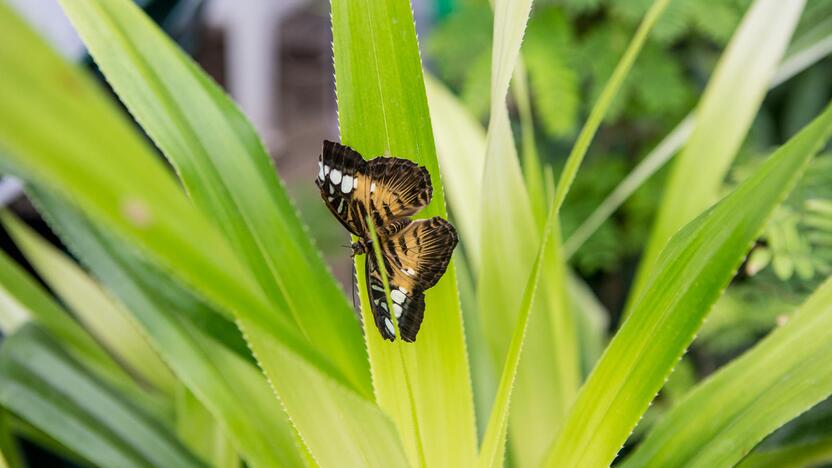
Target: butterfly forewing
x: 384, y: 188
x: 342, y: 174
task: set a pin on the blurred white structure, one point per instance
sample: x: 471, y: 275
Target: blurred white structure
x: 252, y: 37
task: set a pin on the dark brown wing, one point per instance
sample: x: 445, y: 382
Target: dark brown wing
x: 385, y: 188
x: 342, y: 173
x: 398, y: 188
x: 415, y: 259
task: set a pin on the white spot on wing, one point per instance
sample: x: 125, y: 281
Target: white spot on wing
x: 397, y: 296
x: 326, y: 170
x: 355, y: 183
x: 372, y: 187
x: 346, y: 184
x: 409, y: 271
x: 397, y: 311
x: 389, y: 325
x: 320, y: 170
x: 335, y: 176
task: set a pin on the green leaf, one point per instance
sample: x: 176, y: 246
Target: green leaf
x: 63, y: 134
x: 532, y: 167
x: 22, y: 299
x: 557, y: 330
x: 230, y: 387
x: 197, y: 428
x: 492, y: 452
x: 382, y: 110
x: 691, y: 273
x: 460, y: 146
x: 104, y: 318
x: 225, y: 170
x: 722, y: 419
x: 797, y: 455
x: 40, y: 383
x: 724, y: 116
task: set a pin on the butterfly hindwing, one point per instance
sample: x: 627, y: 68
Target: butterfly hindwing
x: 415, y: 258
x: 419, y: 254
x: 408, y: 305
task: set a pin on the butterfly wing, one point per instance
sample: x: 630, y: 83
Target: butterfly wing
x: 385, y: 188
x: 342, y: 172
x: 378, y: 300
x: 398, y: 188
x: 415, y: 258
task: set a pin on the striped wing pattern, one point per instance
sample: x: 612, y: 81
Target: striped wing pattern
x: 415, y: 253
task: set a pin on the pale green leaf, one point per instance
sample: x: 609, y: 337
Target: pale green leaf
x: 63, y: 135
x: 41, y: 384
x: 460, y: 146
x: 532, y: 167
x: 23, y: 298
x: 492, y: 451
x: 554, y: 330
x: 382, y: 111
x: 225, y: 170
x: 231, y: 388
x: 198, y: 429
x: 722, y: 419
x: 724, y: 116
x: 692, y: 272
x: 508, y: 234
x: 106, y: 319
x: 798, y: 455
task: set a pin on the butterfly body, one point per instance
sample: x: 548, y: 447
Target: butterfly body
x: 415, y: 253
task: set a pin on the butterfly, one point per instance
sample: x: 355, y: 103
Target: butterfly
x: 415, y: 253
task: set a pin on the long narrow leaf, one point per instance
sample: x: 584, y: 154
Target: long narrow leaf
x: 460, y: 146
x: 23, y: 298
x: 226, y: 171
x: 198, y: 429
x: 798, y: 455
x: 724, y: 115
x: 105, y: 318
x: 135, y: 197
x: 231, y: 388
x: 508, y: 234
x: 492, y: 452
x: 382, y: 110
x: 41, y: 384
x: 692, y: 272
x: 721, y: 420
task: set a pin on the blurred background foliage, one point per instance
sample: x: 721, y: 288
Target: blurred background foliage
x: 569, y: 49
